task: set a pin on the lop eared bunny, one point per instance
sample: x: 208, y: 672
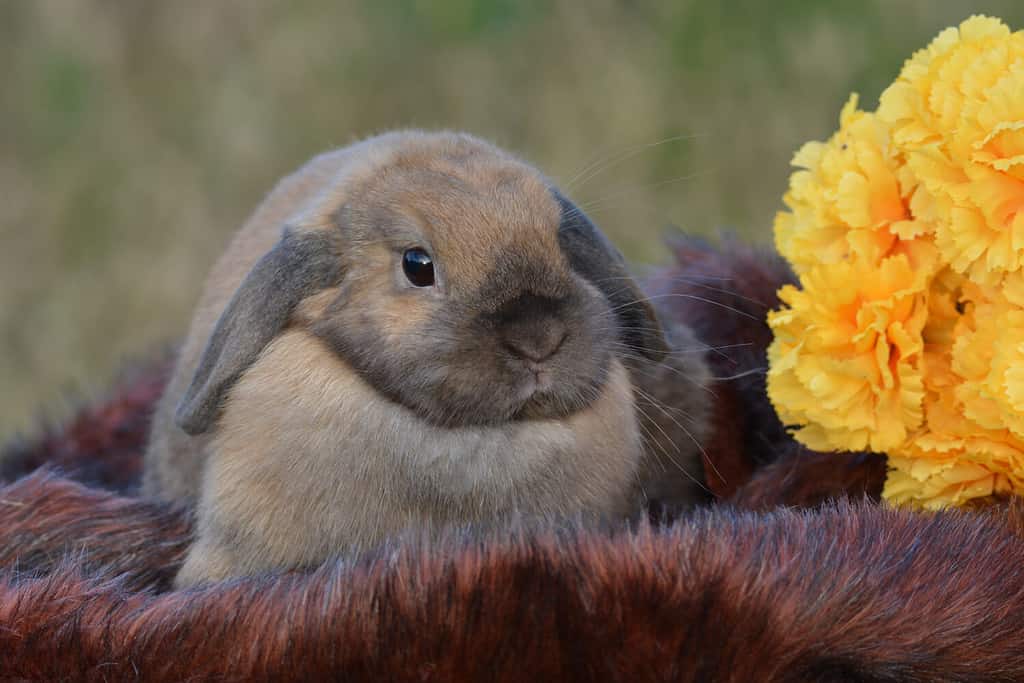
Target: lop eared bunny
x: 413, y: 331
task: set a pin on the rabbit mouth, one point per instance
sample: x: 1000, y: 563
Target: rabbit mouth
x: 541, y: 395
x: 537, y: 380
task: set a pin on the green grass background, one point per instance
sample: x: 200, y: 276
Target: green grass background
x: 136, y: 136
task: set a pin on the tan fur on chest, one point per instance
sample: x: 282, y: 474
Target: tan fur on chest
x: 340, y: 468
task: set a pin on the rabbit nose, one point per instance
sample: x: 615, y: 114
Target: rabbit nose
x: 532, y: 327
x: 535, y: 342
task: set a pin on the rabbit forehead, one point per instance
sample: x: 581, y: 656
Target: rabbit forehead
x: 473, y: 210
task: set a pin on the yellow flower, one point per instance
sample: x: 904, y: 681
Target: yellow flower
x: 907, y: 231
x: 957, y: 114
x: 990, y: 362
x: 933, y: 483
x: 846, y: 199
x: 845, y: 362
x: 969, y: 446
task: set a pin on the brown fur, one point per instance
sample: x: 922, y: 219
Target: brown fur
x: 804, y: 478
x: 47, y: 520
x: 848, y: 593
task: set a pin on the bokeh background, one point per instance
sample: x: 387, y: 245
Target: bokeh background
x: 136, y: 136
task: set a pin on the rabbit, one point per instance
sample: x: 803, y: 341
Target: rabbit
x: 415, y: 331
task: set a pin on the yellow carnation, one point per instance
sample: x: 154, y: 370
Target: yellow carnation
x: 936, y: 483
x: 845, y: 362
x: 957, y: 114
x: 990, y: 361
x: 969, y: 446
x: 846, y: 199
x: 907, y: 230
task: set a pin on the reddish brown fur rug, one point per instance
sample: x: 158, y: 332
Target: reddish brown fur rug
x: 846, y: 593
x: 835, y: 592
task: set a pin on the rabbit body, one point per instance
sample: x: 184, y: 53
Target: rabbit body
x: 415, y: 331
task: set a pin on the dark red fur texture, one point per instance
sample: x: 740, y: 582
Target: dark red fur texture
x: 724, y: 294
x: 103, y: 442
x: 844, y: 593
x: 804, y: 478
x: 47, y: 520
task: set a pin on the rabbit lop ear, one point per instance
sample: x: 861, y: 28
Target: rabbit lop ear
x: 595, y: 258
x: 299, y: 265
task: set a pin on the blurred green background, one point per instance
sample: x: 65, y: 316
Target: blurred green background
x: 136, y: 136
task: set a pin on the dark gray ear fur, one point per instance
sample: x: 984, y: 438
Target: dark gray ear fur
x: 299, y: 265
x: 595, y: 258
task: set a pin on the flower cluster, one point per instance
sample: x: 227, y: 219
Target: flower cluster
x: 906, y: 229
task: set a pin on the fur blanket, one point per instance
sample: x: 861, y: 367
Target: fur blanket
x: 781, y: 579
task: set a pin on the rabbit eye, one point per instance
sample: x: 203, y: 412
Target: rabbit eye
x: 418, y: 267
